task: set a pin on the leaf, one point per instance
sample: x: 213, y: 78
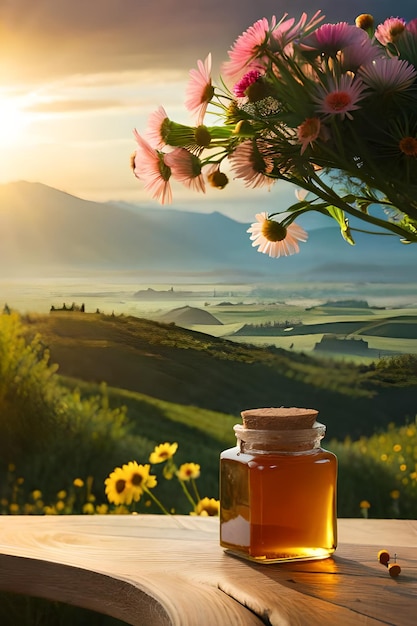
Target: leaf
x: 339, y: 215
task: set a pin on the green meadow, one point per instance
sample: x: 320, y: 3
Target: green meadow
x: 81, y: 394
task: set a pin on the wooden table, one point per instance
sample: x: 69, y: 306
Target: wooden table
x: 152, y: 570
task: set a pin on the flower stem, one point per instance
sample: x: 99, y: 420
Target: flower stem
x: 157, y: 502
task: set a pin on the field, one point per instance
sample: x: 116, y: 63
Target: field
x: 387, y: 332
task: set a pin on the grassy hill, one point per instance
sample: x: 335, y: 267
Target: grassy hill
x: 188, y: 368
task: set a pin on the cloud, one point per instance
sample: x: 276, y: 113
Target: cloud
x: 52, y: 38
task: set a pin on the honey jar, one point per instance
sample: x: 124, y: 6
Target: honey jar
x: 278, y: 488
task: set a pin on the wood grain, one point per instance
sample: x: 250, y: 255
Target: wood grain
x: 152, y: 570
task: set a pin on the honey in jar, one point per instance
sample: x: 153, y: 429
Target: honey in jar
x: 278, y: 488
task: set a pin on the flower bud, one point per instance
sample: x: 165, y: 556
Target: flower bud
x: 365, y: 21
x: 244, y: 129
x: 218, y: 179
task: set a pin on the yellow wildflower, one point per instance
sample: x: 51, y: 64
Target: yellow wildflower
x: 207, y: 507
x: 163, y: 452
x: 187, y: 471
x: 88, y: 508
x: 120, y: 510
x: 395, y: 494
x: 61, y: 495
x: 14, y: 508
x: 397, y: 447
x: 78, y: 482
x: 118, y: 490
x: 60, y: 505
x: 364, y: 506
x: 50, y: 510
x: 102, y: 509
x: 138, y: 478
x: 37, y: 494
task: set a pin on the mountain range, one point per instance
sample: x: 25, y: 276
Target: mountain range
x: 46, y: 232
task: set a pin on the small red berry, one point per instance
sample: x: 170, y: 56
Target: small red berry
x: 383, y: 557
x: 394, y: 569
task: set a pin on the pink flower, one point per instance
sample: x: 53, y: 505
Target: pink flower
x: 390, y: 30
x: 308, y: 132
x: 150, y: 167
x: 286, y: 31
x: 412, y: 26
x: 273, y: 238
x: 357, y: 54
x: 248, y: 79
x: 388, y: 75
x: 155, y: 131
x: 199, y: 90
x: 248, y: 163
x: 247, y: 48
x: 330, y: 38
x: 186, y: 168
x: 340, y: 96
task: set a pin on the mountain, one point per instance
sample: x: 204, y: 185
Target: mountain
x: 46, y: 231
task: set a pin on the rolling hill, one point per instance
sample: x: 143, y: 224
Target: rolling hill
x: 190, y: 368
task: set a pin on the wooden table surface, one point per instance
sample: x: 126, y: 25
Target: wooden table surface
x: 152, y: 570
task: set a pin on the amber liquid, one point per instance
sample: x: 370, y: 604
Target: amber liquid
x: 278, y: 507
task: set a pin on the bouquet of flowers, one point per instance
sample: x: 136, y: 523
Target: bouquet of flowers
x: 330, y: 108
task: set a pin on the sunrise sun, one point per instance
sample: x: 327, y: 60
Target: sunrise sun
x: 13, y: 121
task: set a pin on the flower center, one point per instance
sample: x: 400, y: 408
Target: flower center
x: 338, y: 100
x: 309, y: 129
x: 120, y: 485
x: 164, y: 170
x: 202, y: 137
x: 396, y: 30
x: 207, y: 94
x: 137, y: 480
x: 273, y: 231
x: 408, y: 146
x: 218, y: 179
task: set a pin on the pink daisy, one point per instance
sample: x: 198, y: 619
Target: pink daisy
x: 330, y: 38
x: 388, y: 75
x: 273, y: 238
x: 248, y: 164
x: 247, y: 48
x: 412, y: 26
x: 248, y: 79
x: 199, y: 90
x: 359, y: 53
x: 157, y: 123
x: 390, y: 30
x: 286, y: 31
x: 308, y: 132
x: 186, y: 168
x: 150, y: 167
x: 340, y: 96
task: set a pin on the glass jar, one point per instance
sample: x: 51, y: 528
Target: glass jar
x: 278, y: 488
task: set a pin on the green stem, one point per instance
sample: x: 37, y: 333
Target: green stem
x: 157, y: 502
x: 194, y: 484
x: 187, y: 493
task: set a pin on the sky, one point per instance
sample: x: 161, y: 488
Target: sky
x: 76, y: 77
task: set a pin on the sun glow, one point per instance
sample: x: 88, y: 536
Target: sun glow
x: 13, y: 121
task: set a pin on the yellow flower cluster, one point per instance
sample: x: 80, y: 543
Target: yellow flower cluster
x: 396, y: 450
x: 127, y: 484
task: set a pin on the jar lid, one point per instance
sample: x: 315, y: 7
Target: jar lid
x: 279, y: 418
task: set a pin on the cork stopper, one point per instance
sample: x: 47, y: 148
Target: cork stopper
x: 282, y: 418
